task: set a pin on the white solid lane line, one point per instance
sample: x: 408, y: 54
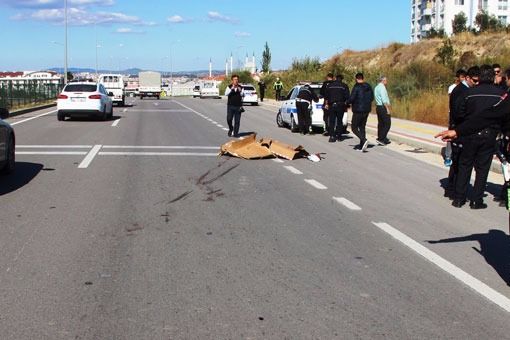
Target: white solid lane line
x: 90, y: 157
x: 54, y: 153
x: 31, y: 118
x: 346, y: 203
x: 469, y: 280
x: 54, y: 146
x: 315, y: 184
x: 293, y: 170
x: 116, y: 122
x: 226, y: 129
x: 141, y: 153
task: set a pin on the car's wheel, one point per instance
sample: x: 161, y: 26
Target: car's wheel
x: 11, y: 158
x: 293, y: 125
x: 110, y: 114
x: 104, y: 114
x: 279, y: 120
x: 60, y: 116
x: 123, y: 102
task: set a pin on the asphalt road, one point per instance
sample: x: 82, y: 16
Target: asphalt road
x: 134, y: 229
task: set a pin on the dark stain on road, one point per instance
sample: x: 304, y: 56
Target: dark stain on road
x: 166, y: 215
x: 134, y: 227
x: 48, y: 169
x: 205, y: 184
x: 180, y: 197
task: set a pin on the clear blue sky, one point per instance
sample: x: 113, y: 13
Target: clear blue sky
x: 152, y: 33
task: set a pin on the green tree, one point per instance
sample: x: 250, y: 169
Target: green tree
x: 445, y: 53
x: 459, y: 23
x: 266, y: 58
x: 482, y: 21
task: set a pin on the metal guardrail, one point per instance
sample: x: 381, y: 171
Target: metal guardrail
x: 18, y: 94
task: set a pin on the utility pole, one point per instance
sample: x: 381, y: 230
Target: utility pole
x: 65, y: 42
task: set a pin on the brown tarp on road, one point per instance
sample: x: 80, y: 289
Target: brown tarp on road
x: 250, y: 148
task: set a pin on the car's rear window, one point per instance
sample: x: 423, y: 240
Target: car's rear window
x: 80, y: 88
x: 249, y: 88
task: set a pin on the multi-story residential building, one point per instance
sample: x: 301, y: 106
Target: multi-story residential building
x: 439, y: 14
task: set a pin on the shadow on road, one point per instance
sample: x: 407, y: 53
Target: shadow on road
x: 494, y: 247
x: 22, y: 175
x: 491, y: 188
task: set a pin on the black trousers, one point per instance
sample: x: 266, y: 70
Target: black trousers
x: 454, y: 168
x: 277, y: 94
x: 358, y: 124
x: 303, y: 117
x: 234, y: 113
x: 336, y: 113
x: 384, y: 122
x: 262, y: 96
x: 325, y: 118
x: 477, y: 152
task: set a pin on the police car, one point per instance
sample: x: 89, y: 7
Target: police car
x: 287, y: 114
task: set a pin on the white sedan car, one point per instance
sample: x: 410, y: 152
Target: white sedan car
x: 250, y: 95
x: 287, y: 114
x: 84, y: 99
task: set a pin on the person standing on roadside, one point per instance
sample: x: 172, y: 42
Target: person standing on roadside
x: 361, y: 99
x: 455, y: 118
x: 337, y: 93
x: 323, y: 93
x: 303, y: 105
x: 460, y: 76
x: 383, y: 110
x: 478, y: 148
x: 262, y: 90
x: 235, y: 94
x: 342, y: 124
x: 278, y: 87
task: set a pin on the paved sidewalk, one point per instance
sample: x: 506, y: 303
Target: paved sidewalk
x: 417, y: 135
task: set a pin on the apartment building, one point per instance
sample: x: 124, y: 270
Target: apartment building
x: 439, y: 14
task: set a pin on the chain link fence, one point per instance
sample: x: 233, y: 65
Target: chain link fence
x: 19, y: 94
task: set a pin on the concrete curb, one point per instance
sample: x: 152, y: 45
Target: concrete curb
x: 31, y: 109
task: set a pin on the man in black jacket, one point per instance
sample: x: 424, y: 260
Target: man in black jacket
x: 361, y: 99
x: 337, y: 94
x: 325, y: 115
x: 234, y: 93
x: 303, y: 105
x: 478, y: 148
x: 455, y: 118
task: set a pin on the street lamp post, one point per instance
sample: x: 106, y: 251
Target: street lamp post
x: 171, y: 67
x: 65, y: 43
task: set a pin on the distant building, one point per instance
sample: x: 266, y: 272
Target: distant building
x: 250, y: 65
x: 439, y: 14
x: 47, y: 77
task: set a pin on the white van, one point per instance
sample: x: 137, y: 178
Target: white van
x: 209, y: 89
x: 114, y: 84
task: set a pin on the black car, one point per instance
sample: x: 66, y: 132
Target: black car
x: 7, y: 144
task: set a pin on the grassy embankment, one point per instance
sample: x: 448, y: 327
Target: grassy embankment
x: 417, y: 78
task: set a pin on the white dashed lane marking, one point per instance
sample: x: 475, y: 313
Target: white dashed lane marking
x: 315, y: 184
x: 277, y: 160
x: 469, y: 280
x: 293, y: 170
x: 116, y: 122
x: 346, y: 203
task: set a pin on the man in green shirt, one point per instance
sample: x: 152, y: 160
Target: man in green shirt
x: 278, y: 87
x: 383, y: 110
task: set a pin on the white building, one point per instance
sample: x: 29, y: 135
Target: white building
x: 250, y: 65
x: 439, y: 14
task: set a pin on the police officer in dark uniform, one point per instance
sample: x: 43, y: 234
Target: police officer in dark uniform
x: 477, y: 148
x: 337, y: 94
x: 340, y: 126
x: 262, y: 90
x: 323, y: 93
x: 455, y: 118
x: 303, y: 106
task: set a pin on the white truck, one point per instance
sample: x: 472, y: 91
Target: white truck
x: 149, y: 84
x: 209, y: 89
x: 115, y: 84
